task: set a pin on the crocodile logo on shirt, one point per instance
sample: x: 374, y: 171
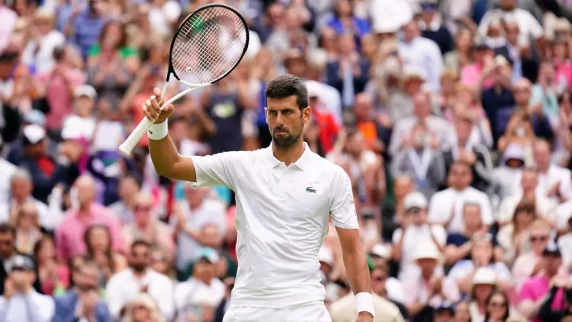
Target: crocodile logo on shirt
x: 311, y: 190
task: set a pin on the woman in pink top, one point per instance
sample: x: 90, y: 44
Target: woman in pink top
x: 54, y: 277
x: 562, y: 62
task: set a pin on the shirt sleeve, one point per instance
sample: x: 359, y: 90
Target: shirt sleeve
x: 217, y: 169
x: 343, y: 210
x: 535, y: 28
x: 486, y: 210
x: 525, y: 293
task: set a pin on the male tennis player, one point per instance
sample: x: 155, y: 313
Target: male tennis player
x: 285, y: 195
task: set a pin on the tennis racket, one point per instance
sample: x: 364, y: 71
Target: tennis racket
x: 208, y: 45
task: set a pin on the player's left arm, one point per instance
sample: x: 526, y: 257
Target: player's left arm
x: 344, y: 217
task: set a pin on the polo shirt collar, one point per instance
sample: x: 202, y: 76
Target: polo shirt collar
x: 303, y: 163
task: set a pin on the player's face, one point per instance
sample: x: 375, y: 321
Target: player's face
x: 286, y: 120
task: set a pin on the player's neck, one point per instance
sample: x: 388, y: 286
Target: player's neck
x: 290, y: 155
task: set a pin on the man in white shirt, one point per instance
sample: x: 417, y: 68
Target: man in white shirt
x: 203, y: 288
x: 414, y: 231
x: 446, y: 207
x: 529, y: 27
x: 436, y: 126
x: 124, y: 286
x: 21, y: 187
x: 528, y: 182
x: 554, y: 182
x: 20, y: 301
x: 423, y: 54
x: 286, y: 196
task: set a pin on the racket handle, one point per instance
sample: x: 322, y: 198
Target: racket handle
x: 127, y: 147
x: 135, y: 137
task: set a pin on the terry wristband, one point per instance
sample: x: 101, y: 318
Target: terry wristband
x: 364, y: 303
x: 158, y: 131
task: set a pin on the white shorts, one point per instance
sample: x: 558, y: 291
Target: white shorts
x: 315, y: 312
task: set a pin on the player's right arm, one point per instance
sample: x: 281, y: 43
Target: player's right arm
x: 166, y: 159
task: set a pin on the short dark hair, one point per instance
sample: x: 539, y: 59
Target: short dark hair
x: 7, y: 228
x: 287, y: 85
x: 140, y: 242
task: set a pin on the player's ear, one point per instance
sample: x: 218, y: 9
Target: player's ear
x: 306, y: 114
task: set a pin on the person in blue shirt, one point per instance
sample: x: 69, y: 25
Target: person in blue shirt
x: 82, y: 301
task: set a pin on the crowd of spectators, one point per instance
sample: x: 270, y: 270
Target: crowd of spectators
x: 453, y: 119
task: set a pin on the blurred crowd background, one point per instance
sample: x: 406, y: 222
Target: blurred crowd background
x: 453, y: 119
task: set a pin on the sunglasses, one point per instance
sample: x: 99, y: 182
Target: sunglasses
x: 143, y: 208
x: 534, y: 239
x: 6, y: 242
x: 379, y: 278
x: 497, y: 304
x: 19, y: 269
x: 139, y: 307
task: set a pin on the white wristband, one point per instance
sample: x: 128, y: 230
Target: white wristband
x: 158, y: 131
x: 364, y: 303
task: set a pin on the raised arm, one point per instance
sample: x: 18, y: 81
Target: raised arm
x: 166, y: 159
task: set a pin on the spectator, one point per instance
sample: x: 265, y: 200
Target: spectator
x: 54, y: 277
x: 27, y: 228
x: 129, y: 186
x: 98, y: 244
x: 19, y: 301
x: 430, y: 288
x: 432, y: 27
x: 530, y: 263
x: 70, y: 233
x: 514, y: 237
x: 536, y: 289
x: 343, y: 310
x: 462, y: 55
x: 482, y: 286
x: 422, y: 54
x: 414, y: 231
x: 21, y: 188
x: 147, y: 227
x: 543, y: 206
x: 82, y: 301
x: 125, y: 286
x: 8, y: 255
x: 193, y: 212
x: 446, y: 206
x: 497, y: 307
x: 202, y: 289
x: 482, y: 255
x: 459, y: 245
x: 39, y: 52
x: 143, y: 309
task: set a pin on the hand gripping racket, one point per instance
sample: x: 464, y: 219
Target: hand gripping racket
x: 208, y: 45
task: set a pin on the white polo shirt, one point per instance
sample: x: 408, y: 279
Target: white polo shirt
x: 282, y: 216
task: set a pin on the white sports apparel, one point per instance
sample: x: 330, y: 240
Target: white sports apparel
x: 281, y: 219
x: 315, y: 312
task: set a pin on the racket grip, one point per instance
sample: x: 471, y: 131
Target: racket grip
x: 135, y: 137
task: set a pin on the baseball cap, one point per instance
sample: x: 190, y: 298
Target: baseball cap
x: 480, y: 44
x: 209, y: 254
x: 85, y: 90
x: 23, y: 262
x: 326, y: 256
x: 484, y: 275
x: 35, y: 117
x: 314, y: 88
x: 415, y: 200
x: 34, y: 133
x: 380, y: 250
x: 552, y: 249
x: 446, y: 306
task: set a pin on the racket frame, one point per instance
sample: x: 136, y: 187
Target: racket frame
x: 129, y: 144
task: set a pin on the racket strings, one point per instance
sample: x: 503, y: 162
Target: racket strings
x: 208, y: 45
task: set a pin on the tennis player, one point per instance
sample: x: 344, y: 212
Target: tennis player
x: 285, y: 197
